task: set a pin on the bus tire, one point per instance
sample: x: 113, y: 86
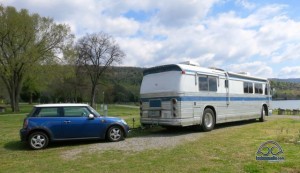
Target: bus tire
x: 208, y: 120
x: 262, y: 114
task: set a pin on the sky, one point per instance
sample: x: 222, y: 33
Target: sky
x: 255, y: 36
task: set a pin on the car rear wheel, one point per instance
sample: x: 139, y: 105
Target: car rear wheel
x: 38, y: 140
x: 114, y: 134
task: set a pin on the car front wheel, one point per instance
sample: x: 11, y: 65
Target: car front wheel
x: 38, y: 140
x: 115, y: 133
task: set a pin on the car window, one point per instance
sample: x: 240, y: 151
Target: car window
x: 76, y: 112
x: 94, y: 112
x: 48, y: 112
x: 32, y: 113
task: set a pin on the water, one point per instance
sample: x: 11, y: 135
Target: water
x: 286, y: 104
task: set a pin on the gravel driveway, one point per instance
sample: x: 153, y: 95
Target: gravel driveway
x: 157, y: 140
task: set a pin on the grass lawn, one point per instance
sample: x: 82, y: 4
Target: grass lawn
x: 229, y: 148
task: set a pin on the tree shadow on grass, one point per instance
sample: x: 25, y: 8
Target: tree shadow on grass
x: 235, y: 124
x: 178, y: 131
x: 23, y: 146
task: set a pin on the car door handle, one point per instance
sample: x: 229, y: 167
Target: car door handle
x: 67, y: 122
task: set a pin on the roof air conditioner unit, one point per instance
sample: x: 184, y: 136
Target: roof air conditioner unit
x: 190, y: 63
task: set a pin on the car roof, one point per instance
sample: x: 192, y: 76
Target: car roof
x: 61, y: 105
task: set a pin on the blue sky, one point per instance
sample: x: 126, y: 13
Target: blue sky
x: 260, y: 37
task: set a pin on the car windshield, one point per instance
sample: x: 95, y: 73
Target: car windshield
x: 94, y: 111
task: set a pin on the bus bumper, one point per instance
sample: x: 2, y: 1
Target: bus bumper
x: 167, y: 121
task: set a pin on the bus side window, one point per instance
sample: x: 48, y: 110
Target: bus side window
x: 208, y: 83
x: 203, y: 83
x: 212, y: 83
x: 248, y: 87
x: 258, y: 88
x: 226, y: 83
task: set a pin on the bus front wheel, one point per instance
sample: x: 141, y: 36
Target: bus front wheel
x: 262, y: 114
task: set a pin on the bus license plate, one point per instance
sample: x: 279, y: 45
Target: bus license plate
x: 154, y: 113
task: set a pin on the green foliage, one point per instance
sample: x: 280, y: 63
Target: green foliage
x: 122, y: 84
x: 285, y: 90
x: 26, y: 42
x: 59, y: 83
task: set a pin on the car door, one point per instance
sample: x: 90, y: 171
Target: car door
x: 50, y: 118
x: 77, y: 124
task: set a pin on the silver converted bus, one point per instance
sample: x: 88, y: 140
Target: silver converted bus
x: 186, y: 94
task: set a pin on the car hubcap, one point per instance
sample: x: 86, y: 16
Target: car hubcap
x: 115, y: 134
x: 38, y: 141
x: 208, y: 119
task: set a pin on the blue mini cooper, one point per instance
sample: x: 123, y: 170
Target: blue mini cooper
x: 58, y: 122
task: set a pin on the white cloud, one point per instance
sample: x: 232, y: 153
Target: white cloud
x: 139, y: 52
x: 181, y: 12
x: 291, y: 52
x: 179, y: 30
x: 256, y: 68
x: 290, y: 72
x: 246, y: 4
x: 276, y: 33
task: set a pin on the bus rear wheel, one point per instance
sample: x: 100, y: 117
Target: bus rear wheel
x: 208, y: 120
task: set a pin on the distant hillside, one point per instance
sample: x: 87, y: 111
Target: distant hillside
x: 286, y: 89
x: 117, y: 85
x: 122, y: 84
x: 292, y: 80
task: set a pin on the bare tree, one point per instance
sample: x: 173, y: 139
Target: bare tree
x: 96, y: 52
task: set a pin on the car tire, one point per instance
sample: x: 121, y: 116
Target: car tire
x: 115, y: 134
x: 208, y: 120
x: 38, y: 140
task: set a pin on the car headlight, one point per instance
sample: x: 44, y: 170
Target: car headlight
x: 124, y: 122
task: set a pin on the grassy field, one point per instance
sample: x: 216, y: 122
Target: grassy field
x: 229, y: 148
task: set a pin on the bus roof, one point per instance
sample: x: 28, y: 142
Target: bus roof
x: 192, y: 69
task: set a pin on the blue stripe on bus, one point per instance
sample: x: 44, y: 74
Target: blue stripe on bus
x: 205, y: 98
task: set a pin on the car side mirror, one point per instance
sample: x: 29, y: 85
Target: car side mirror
x: 91, y: 116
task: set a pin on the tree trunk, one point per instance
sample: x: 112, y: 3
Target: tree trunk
x: 14, y: 99
x: 30, y: 98
x: 14, y: 88
x: 93, y: 95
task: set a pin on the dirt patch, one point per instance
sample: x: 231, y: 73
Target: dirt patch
x: 165, y: 139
